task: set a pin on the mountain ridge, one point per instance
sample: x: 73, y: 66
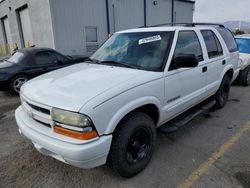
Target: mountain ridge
x: 234, y: 25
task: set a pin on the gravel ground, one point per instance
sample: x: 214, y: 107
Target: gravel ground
x: 175, y: 158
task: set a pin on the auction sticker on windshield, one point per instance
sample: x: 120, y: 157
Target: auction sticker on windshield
x: 150, y: 39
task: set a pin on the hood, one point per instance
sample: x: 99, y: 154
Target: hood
x: 72, y: 87
x: 245, y: 60
x: 245, y: 56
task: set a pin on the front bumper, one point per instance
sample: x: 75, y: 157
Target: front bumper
x: 84, y: 155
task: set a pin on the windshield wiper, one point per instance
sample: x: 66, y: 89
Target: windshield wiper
x: 120, y: 64
x: 89, y: 60
x: 96, y: 61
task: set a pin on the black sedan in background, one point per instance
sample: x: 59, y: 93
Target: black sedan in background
x: 29, y: 63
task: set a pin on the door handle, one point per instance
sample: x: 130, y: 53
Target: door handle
x: 204, y: 69
x: 223, y: 62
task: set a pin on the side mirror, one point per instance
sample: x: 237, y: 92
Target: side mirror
x: 186, y: 60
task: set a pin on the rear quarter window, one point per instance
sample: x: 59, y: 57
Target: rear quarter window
x: 44, y: 57
x: 229, y: 39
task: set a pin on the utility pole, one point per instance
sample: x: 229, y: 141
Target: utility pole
x: 240, y: 22
x: 173, y: 15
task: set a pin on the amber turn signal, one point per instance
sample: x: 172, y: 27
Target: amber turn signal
x: 75, y: 134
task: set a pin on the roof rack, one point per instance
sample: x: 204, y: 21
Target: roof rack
x: 158, y: 25
x: 186, y: 25
x: 208, y: 24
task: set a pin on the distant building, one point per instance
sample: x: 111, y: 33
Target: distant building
x: 81, y: 26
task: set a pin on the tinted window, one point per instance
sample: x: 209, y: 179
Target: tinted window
x: 60, y: 57
x: 244, y: 45
x: 213, y: 45
x: 229, y: 39
x: 16, y: 58
x: 188, y: 43
x: 218, y: 44
x: 45, y: 58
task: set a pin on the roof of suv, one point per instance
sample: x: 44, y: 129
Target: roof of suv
x: 162, y: 28
x: 168, y: 27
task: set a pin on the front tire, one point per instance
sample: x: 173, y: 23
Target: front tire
x: 133, y: 144
x: 244, y: 77
x: 16, y: 84
x: 221, y: 96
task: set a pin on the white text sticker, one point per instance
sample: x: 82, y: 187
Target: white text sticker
x: 150, y: 39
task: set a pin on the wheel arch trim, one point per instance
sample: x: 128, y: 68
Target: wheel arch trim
x: 225, y: 70
x: 130, y: 107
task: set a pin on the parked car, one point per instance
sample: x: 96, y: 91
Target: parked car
x: 243, y: 42
x: 140, y: 79
x: 29, y: 63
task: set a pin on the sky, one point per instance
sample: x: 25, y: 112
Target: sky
x: 221, y: 10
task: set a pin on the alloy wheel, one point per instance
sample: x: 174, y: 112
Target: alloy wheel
x: 17, y: 84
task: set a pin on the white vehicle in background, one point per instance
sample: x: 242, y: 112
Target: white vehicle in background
x: 243, y: 42
x: 110, y: 106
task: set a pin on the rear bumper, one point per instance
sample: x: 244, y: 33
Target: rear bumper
x: 86, y: 155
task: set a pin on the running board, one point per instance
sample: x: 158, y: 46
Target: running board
x: 186, y: 117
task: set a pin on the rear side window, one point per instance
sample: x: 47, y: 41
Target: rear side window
x: 59, y: 56
x: 213, y: 45
x: 45, y: 58
x: 188, y: 43
x: 229, y: 39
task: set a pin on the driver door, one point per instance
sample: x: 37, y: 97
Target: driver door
x: 185, y: 87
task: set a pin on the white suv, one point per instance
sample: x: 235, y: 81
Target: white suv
x: 110, y: 106
x: 243, y: 42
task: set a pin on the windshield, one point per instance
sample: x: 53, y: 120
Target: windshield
x: 145, y: 50
x: 244, y: 45
x: 16, y: 58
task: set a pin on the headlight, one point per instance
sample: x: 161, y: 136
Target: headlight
x: 70, y: 118
x: 73, y: 124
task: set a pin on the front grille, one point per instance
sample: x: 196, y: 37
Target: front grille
x: 45, y: 124
x: 39, y: 109
x: 39, y: 114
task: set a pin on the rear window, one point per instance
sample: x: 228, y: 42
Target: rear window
x: 244, y: 45
x: 229, y: 39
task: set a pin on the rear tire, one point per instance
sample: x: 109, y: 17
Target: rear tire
x: 244, y: 77
x: 133, y: 144
x: 16, y: 84
x: 221, y: 96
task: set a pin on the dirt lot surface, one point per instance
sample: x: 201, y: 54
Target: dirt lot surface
x: 212, y: 151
